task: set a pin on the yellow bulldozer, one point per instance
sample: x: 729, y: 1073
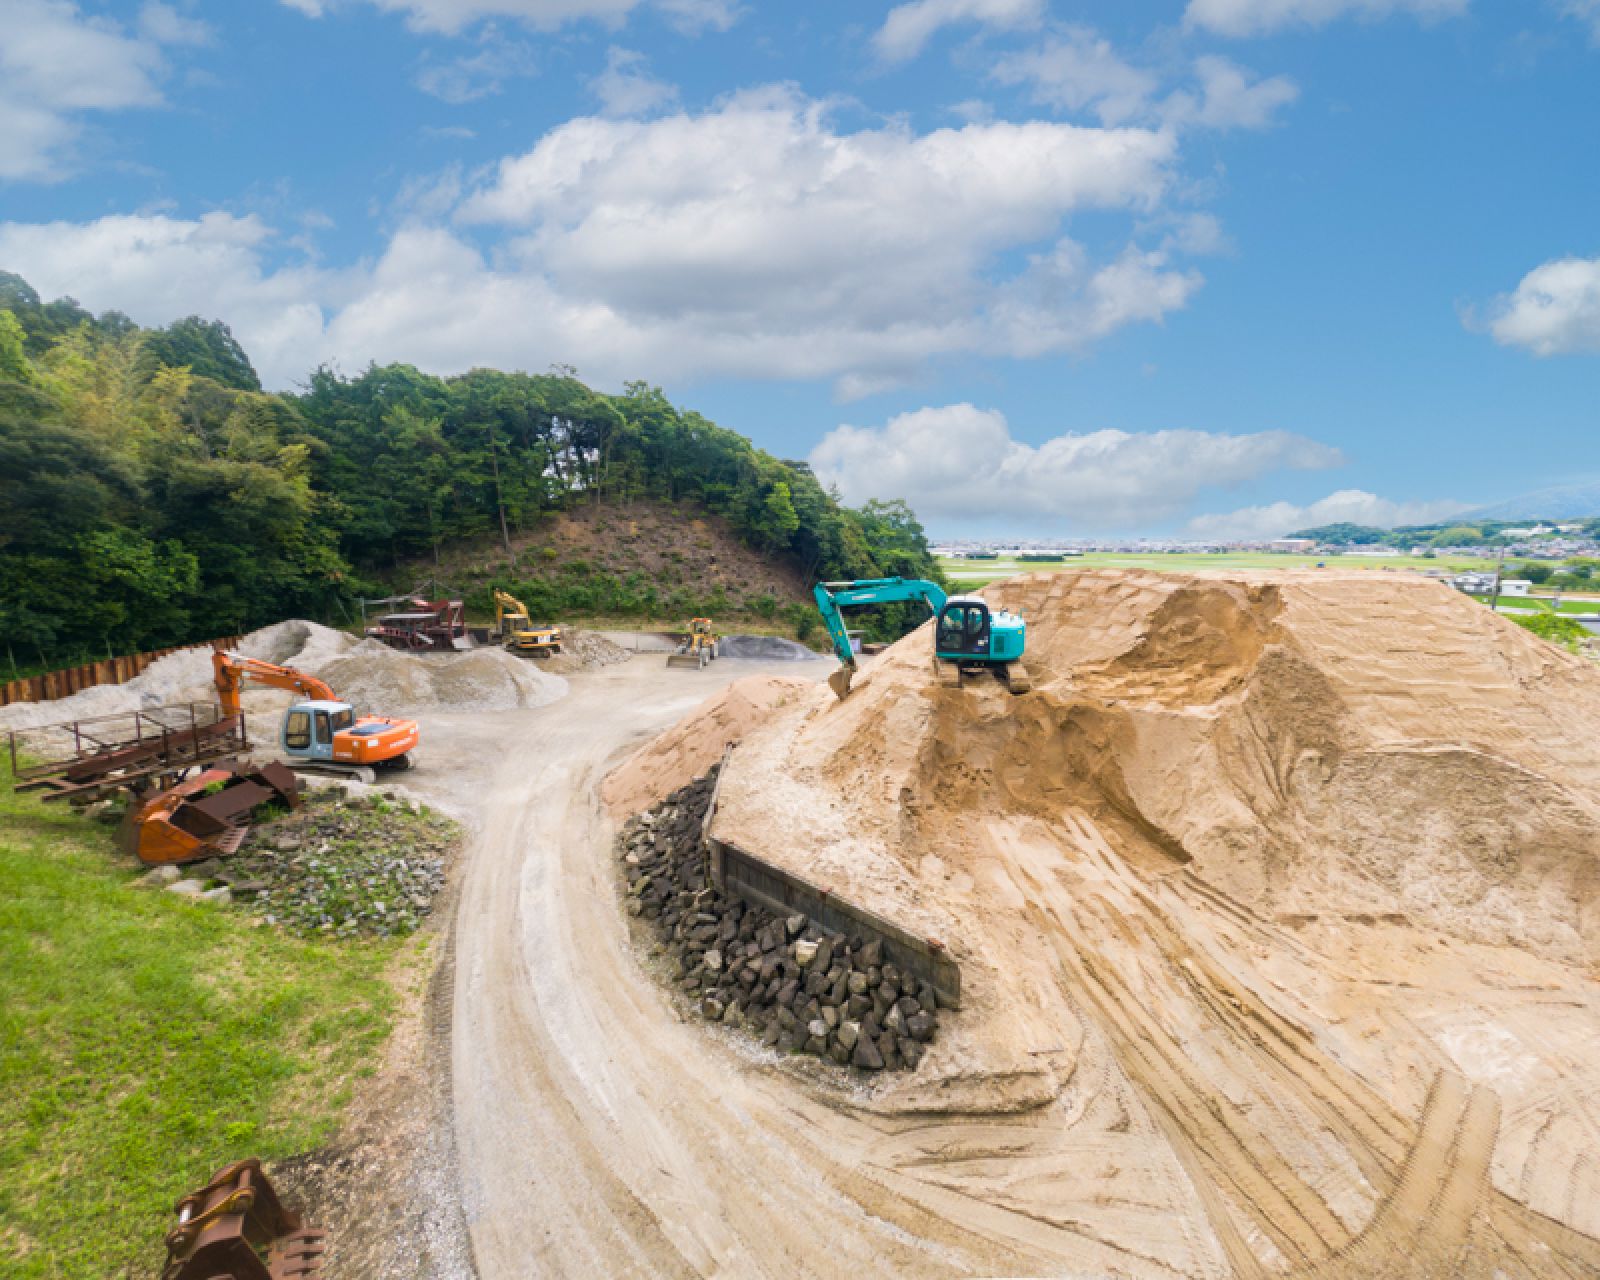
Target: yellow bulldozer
x: 515, y: 630
x: 697, y: 648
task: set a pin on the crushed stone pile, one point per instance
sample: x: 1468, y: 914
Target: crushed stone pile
x: 696, y: 743
x: 798, y: 987
x: 1273, y: 878
x: 764, y: 649
x: 584, y: 651
x: 377, y: 678
x: 366, y: 673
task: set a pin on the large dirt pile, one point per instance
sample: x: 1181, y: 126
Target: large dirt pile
x: 1274, y: 884
x: 692, y: 746
x: 366, y: 673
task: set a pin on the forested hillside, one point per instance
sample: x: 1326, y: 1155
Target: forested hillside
x: 151, y: 493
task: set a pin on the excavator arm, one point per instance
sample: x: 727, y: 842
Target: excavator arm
x: 832, y: 597
x: 232, y: 670
x: 506, y: 606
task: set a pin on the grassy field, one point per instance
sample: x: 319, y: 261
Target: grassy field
x: 1545, y: 605
x: 976, y: 573
x: 146, y: 1041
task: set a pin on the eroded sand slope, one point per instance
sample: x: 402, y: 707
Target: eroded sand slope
x: 1278, y: 906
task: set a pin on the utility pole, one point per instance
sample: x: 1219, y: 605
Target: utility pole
x: 1499, y: 572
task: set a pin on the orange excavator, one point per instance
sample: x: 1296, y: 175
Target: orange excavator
x: 208, y: 814
x: 321, y: 734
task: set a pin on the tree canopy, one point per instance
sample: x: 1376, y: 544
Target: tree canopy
x: 152, y: 494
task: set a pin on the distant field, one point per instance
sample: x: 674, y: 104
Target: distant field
x: 1543, y: 605
x: 976, y: 573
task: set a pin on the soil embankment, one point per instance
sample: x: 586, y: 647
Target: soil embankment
x: 1279, y: 898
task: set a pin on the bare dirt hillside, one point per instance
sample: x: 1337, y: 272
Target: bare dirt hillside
x: 672, y: 548
x: 1278, y: 907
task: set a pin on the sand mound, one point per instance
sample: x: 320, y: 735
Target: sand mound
x: 685, y: 751
x: 763, y: 649
x: 1276, y: 879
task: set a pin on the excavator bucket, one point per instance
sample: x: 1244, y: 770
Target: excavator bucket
x: 225, y: 1227
x: 207, y: 815
x: 840, y: 680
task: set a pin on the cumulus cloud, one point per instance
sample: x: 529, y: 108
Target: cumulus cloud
x: 1077, y: 70
x: 754, y: 240
x: 960, y: 463
x: 158, y: 269
x: 1258, y: 17
x: 451, y: 16
x: 57, y: 62
x: 1554, y: 310
x: 909, y: 27
x: 626, y: 88
x: 1355, y: 506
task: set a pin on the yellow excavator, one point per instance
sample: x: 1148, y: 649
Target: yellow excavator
x: 515, y: 630
x: 698, y: 647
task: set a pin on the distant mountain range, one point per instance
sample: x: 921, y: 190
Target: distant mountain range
x: 1576, y: 501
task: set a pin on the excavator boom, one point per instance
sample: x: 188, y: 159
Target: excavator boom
x: 831, y: 597
x: 232, y: 669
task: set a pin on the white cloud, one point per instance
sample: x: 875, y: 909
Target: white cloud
x: 1258, y: 17
x: 478, y: 75
x: 451, y: 16
x: 626, y: 88
x: 960, y: 463
x: 1585, y: 11
x: 909, y: 27
x: 57, y: 62
x: 754, y: 240
x: 1076, y: 70
x: 1554, y: 310
x: 158, y: 269
x: 1355, y: 506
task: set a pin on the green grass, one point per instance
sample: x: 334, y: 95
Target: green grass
x: 1543, y: 604
x: 146, y: 1041
x: 976, y: 573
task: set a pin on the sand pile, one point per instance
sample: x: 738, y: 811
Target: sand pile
x: 693, y: 745
x: 1284, y: 889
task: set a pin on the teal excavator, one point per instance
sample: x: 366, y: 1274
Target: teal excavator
x: 967, y: 635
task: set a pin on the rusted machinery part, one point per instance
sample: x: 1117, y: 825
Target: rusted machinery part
x: 222, y: 1226
x: 190, y: 821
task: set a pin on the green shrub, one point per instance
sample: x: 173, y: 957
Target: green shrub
x: 1555, y: 628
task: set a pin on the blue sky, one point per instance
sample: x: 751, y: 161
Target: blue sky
x: 1199, y: 268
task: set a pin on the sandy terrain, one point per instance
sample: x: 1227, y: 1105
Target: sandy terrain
x: 1278, y: 906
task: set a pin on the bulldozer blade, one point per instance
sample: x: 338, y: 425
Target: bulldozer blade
x: 839, y: 681
x: 688, y: 661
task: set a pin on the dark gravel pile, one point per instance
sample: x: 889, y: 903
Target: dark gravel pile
x: 347, y: 867
x: 799, y: 987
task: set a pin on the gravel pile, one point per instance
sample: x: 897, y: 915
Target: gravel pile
x: 799, y: 987
x: 764, y: 649
x: 367, y: 867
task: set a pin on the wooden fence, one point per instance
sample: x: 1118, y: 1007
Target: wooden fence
x: 63, y: 684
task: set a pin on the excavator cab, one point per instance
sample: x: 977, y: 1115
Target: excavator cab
x: 964, y: 628
x: 309, y: 728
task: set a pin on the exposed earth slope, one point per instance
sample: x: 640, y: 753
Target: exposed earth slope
x: 1278, y: 906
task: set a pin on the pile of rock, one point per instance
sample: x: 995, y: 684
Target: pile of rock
x: 369, y: 866
x: 798, y: 986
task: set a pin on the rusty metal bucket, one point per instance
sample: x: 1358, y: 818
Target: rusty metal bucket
x: 225, y: 1227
